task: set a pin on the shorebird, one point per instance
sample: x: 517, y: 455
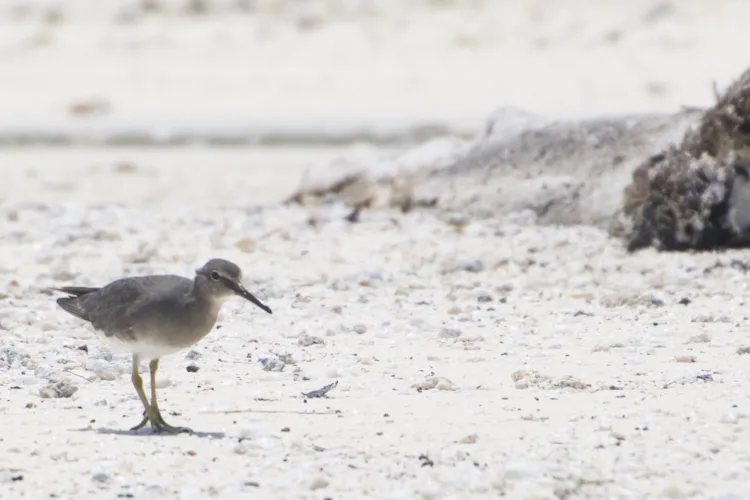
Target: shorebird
x: 152, y: 316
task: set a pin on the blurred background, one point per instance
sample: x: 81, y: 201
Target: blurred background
x: 144, y: 101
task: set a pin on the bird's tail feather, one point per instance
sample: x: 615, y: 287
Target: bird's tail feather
x: 75, y: 291
x: 72, y: 306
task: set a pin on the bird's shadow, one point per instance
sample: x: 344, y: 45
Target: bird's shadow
x: 150, y: 433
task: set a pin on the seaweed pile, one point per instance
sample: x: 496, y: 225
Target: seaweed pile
x: 695, y: 195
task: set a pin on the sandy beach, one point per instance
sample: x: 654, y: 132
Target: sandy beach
x: 492, y: 342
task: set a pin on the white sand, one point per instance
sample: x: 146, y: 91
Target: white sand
x: 331, y: 65
x: 400, y: 301
x: 563, y: 302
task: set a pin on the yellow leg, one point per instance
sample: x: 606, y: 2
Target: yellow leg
x: 157, y: 421
x: 151, y: 411
x: 135, y: 376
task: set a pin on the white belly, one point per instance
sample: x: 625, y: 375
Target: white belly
x: 144, y: 350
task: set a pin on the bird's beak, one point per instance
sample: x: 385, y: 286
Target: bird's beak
x: 242, y: 292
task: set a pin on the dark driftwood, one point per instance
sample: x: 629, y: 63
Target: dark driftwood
x: 695, y: 194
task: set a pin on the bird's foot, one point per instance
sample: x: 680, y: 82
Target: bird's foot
x: 158, y: 424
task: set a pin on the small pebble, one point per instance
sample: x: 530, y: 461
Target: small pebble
x: 308, y: 340
x: 318, y: 484
x: 656, y: 302
x: 473, y: 266
x: 193, y: 354
x: 730, y: 418
x: 192, y: 368
x: 359, y: 328
x: 286, y: 358
x: 449, y: 333
x: 685, y: 359
x: 470, y: 439
x: 60, y: 389
x: 272, y: 364
x: 703, y: 338
x: 522, y: 384
x: 100, y: 477
x: 439, y: 383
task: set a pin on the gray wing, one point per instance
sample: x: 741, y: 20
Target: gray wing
x: 123, y: 307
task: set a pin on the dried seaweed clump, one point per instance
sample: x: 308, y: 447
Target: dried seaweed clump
x: 695, y: 195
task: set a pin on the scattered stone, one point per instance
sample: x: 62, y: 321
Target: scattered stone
x: 308, y: 340
x: 191, y: 368
x: 709, y: 318
x: 100, y: 477
x: 353, y: 216
x: 245, y: 245
x: 60, y: 389
x: 439, y: 383
x: 472, y: 266
x: 298, y: 374
x: 470, y: 439
x: 530, y: 417
x: 452, y: 266
x: 319, y: 483
x: 525, y: 379
x: 193, y: 354
x: 105, y: 370
x: 730, y: 418
x: 702, y: 338
x: 743, y: 349
x: 272, y: 364
x: 359, y: 328
x: 286, y: 358
x: 449, y: 333
x: 692, y: 379
x: 89, y: 107
x: 657, y: 302
x: 322, y: 392
x: 425, y: 461
x: 685, y: 358
x: 484, y: 298
x: 684, y: 301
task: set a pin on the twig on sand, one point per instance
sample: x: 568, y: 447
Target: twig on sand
x: 320, y: 393
x: 68, y: 370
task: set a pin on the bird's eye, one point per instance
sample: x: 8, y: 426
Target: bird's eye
x: 215, y: 276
